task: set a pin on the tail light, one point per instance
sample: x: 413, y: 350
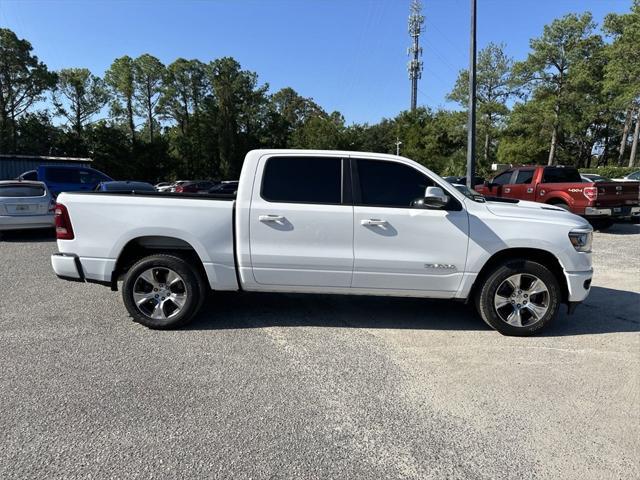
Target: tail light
x: 64, y: 230
x: 591, y: 193
x: 179, y: 189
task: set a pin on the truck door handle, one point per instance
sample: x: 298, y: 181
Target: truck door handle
x: 507, y: 190
x: 373, y: 222
x: 270, y: 218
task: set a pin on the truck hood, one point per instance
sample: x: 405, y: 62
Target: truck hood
x: 525, y: 210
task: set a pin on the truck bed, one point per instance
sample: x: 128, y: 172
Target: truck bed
x: 105, y: 223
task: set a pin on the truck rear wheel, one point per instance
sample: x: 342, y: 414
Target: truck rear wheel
x: 519, y: 298
x: 162, y: 291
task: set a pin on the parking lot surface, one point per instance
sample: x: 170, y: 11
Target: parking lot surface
x: 302, y: 386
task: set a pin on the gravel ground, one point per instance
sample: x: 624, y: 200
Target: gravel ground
x: 302, y: 386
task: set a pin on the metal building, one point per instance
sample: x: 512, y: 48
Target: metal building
x: 13, y: 165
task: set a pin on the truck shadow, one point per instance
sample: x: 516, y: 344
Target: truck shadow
x: 627, y: 228
x: 30, y: 236
x: 606, y: 311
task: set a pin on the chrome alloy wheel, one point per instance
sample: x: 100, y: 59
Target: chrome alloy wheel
x: 522, y: 300
x: 159, y: 293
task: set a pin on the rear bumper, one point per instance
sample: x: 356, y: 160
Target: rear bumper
x: 579, y: 285
x: 67, y: 267
x: 70, y: 266
x: 23, y: 222
x: 613, y: 212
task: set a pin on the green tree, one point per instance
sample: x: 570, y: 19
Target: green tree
x: 294, y: 109
x: 148, y: 75
x: 380, y: 137
x: 622, y: 72
x: 325, y: 133
x: 120, y: 79
x: 185, y: 89
x: 23, y: 81
x: 240, y: 112
x: 494, y: 89
x: 79, y: 96
x: 547, y: 72
x: 37, y: 135
x: 525, y: 137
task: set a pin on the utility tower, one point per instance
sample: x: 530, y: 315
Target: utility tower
x: 416, y: 20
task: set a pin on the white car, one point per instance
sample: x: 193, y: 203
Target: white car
x: 328, y: 222
x: 25, y: 205
x: 163, y: 186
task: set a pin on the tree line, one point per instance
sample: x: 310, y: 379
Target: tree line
x: 574, y: 100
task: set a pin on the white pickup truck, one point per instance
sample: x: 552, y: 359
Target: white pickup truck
x: 328, y: 222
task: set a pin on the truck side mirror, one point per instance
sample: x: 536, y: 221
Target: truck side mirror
x: 434, y: 197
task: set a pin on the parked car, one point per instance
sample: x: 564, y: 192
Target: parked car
x: 176, y: 184
x: 125, y: 186
x: 163, y: 186
x: 632, y: 177
x: 229, y: 186
x: 300, y: 224
x: 196, y: 186
x: 594, y: 178
x: 25, y: 205
x: 463, y: 180
x: 601, y: 203
x: 66, y: 178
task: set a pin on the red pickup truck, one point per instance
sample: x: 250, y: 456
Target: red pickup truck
x: 601, y: 203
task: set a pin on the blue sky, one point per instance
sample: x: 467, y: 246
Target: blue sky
x: 349, y: 55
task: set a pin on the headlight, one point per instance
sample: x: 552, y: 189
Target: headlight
x: 581, y: 240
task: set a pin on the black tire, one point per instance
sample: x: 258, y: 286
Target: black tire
x: 486, y: 305
x: 561, y: 205
x: 600, y: 224
x: 190, y: 289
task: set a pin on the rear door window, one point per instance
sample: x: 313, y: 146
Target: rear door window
x: 524, y: 177
x: 21, y: 191
x: 303, y: 180
x: 561, y: 175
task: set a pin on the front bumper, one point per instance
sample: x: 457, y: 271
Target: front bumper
x: 23, y: 222
x: 579, y: 285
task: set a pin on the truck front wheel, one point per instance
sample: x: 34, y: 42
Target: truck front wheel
x: 162, y: 291
x: 519, y: 297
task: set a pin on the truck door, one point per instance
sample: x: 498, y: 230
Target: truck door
x: 496, y: 185
x: 301, y: 222
x: 521, y: 186
x: 398, y: 246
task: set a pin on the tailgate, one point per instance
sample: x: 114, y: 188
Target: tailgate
x: 612, y: 194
